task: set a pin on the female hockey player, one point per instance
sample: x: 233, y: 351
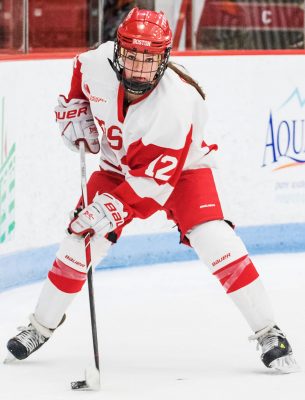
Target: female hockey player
x: 153, y: 156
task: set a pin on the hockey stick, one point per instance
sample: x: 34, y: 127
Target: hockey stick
x: 92, y: 375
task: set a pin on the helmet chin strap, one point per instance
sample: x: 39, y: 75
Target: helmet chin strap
x: 135, y: 87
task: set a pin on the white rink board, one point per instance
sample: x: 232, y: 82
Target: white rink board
x: 241, y: 93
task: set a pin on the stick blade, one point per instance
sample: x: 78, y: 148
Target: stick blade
x: 91, y: 382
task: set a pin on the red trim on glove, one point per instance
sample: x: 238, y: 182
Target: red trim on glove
x: 91, y: 231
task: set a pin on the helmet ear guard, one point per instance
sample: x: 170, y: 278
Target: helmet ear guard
x: 146, y: 32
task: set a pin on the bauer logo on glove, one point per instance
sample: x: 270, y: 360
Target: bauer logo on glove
x: 62, y: 114
x: 76, y: 124
x: 104, y: 215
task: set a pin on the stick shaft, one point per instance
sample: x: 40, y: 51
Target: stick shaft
x: 88, y: 257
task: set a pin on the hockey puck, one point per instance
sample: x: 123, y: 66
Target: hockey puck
x: 91, y: 382
x: 78, y: 385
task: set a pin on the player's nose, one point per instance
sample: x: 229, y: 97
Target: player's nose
x: 138, y: 65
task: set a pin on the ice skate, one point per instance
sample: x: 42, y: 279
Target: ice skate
x: 276, y: 350
x: 30, y: 339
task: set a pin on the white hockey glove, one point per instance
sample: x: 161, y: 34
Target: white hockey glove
x: 104, y: 215
x: 76, y: 123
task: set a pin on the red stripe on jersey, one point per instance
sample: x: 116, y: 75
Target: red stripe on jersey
x: 211, y: 147
x: 65, y: 278
x: 120, y: 103
x: 137, y: 206
x: 237, y: 274
x: 76, y: 91
x: 118, y: 167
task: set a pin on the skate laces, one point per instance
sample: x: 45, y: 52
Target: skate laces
x: 267, y: 338
x: 30, y: 337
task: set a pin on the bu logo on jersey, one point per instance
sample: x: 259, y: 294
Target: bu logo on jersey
x: 113, y: 134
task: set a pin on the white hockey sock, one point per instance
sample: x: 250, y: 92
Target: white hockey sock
x: 254, y: 304
x: 52, y: 305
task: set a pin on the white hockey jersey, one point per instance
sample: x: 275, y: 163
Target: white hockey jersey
x: 160, y: 135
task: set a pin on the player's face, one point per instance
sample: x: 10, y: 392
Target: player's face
x: 140, y: 66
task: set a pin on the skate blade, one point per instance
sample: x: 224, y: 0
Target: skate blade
x: 91, y: 382
x: 9, y: 359
x: 285, y: 365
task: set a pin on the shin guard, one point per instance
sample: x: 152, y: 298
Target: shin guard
x: 66, y: 278
x: 69, y: 272
x: 226, y: 256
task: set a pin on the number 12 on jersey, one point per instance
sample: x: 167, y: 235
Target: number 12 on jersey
x: 157, y: 171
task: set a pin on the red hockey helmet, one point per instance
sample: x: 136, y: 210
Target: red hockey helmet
x: 147, y: 32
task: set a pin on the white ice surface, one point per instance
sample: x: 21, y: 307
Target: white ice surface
x: 166, y: 332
